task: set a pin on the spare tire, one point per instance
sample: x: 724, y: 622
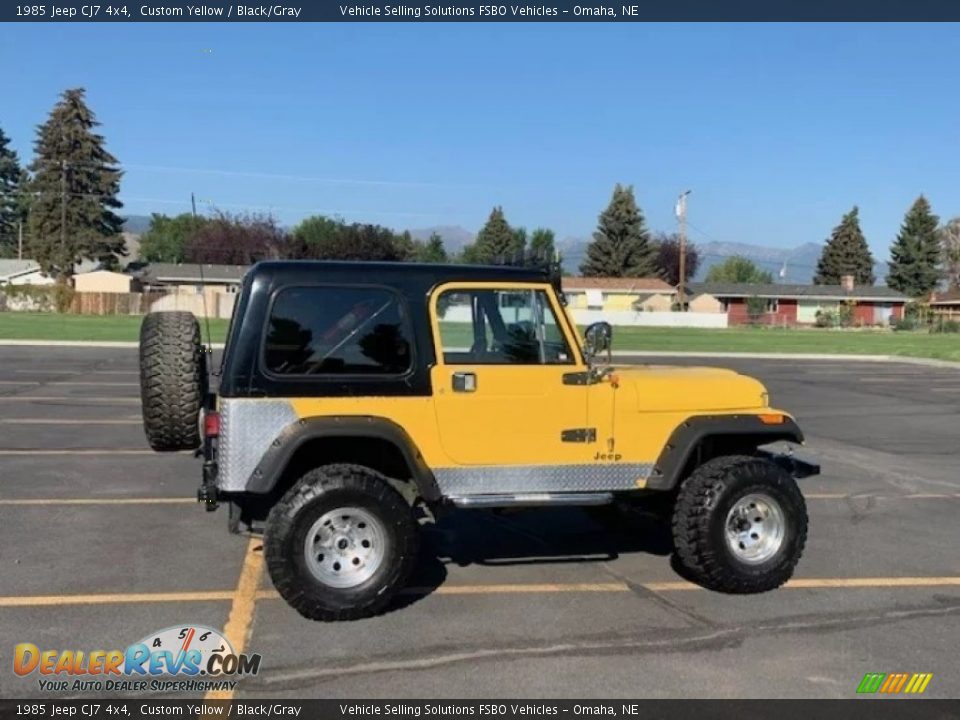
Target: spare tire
x: 173, y: 380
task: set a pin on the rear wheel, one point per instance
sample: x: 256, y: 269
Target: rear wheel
x: 739, y: 525
x: 173, y: 380
x: 340, y: 543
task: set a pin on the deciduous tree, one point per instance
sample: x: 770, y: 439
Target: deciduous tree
x: 668, y: 258
x: 738, y: 269
x: 950, y: 249
x: 167, y: 238
x: 236, y: 240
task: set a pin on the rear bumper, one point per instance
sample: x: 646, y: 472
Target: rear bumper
x: 798, y: 467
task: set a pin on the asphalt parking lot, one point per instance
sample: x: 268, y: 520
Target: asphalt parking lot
x: 101, y: 544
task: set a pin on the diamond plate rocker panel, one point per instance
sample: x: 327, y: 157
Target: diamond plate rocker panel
x: 483, y: 480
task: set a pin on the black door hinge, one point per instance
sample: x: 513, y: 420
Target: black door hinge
x: 584, y: 435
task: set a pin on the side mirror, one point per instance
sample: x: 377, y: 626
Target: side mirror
x: 598, y: 338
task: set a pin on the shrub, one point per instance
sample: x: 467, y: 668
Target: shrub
x: 904, y: 324
x: 942, y: 325
x: 825, y: 319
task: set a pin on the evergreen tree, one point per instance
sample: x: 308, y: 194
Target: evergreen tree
x: 846, y: 253
x: 542, y: 244
x: 621, y: 243
x: 432, y: 251
x: 10, y: 198
x: 495, y: 242
x: 77, y: 181
x: 916, y: 253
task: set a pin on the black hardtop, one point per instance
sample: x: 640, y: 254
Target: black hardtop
x: 242, y: 374
x: 423, y: 275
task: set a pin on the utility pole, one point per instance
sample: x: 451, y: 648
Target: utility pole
x: 681, y: 211
x: 20, y: 240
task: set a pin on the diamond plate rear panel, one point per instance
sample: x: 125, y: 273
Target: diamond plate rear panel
x: 247, y: 427
x: 483, y: 480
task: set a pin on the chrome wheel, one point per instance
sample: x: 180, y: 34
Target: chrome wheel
x: 345, y: 547
x: 755, y: 528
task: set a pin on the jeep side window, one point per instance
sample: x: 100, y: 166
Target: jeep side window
x: 500, y: 327
x: 337, y: 331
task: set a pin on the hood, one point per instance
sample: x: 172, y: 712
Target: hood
x: 662, y: 388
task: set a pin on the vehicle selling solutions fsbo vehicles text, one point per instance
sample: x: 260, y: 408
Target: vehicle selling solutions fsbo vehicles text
x: 418, y: 11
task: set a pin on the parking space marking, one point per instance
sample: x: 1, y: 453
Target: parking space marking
x: 82, y: 383
x: 58, y: 421
x: 72, y: 398
x: 240, y: 621
x: 88, y: 451
x: 99, y: 501
x: 115, y: 598
x: 244, y: 597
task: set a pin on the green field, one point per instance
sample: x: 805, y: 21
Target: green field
x: 53, y: 326
x: 50, y: 326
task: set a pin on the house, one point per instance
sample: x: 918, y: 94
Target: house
x: 788, y: 305
x: 190, y: 277
x: 23, y: 272
x: 946, y: 304
x: 105, y: 281
x: 644, y: 294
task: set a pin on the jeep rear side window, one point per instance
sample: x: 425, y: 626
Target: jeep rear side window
x: 500, y: 327
x: 337, y: 331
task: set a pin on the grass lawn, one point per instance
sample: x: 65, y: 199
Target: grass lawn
x: 51, y: 326
x: 942, y: 346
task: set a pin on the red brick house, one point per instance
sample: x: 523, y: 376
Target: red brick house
x: 790, y: 305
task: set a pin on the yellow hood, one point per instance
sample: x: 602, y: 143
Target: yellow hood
x: 663, y: 388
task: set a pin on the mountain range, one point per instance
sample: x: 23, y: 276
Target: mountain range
x: 797, y: 263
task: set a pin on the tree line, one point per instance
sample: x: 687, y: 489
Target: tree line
x: 64, y: 206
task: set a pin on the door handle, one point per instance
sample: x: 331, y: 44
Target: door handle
x: 465, y: 382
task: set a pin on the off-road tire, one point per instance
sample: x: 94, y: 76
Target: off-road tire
x: 318, y: 492
x: 173, y: 380
x: 704, y: 501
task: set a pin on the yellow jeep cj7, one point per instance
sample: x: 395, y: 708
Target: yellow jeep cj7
x: 357, y: 400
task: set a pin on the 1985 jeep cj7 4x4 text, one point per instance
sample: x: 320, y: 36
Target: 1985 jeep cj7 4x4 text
x: 357, y: 399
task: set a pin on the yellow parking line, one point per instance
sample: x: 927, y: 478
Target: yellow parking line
x: 99, y: 501
x: 114, y: 598
x: 240, y: 621
x: 246, y: 594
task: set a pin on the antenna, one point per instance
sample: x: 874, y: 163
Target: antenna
x: 203, y: 283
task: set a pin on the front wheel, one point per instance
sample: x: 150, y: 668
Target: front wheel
x: 340, y: 543
x: 739, y: 525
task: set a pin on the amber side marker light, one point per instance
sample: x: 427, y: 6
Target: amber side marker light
x: 772, y: 419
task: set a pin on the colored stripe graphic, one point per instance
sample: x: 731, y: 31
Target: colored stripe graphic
x: 894, y: 683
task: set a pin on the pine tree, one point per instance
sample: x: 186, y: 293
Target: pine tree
x: 916, y: 253
x: 621, y: 243
x: 542, y: 245
x: 496, y: 241
x: 432, y: 251
x: 846, y: 253
x: 10, y: 198
x: 77, y: 181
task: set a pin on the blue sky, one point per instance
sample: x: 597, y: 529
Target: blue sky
x: 778, y: 129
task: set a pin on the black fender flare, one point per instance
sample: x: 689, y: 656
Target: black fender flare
x: 687, y: 436
x: 276, y: 459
